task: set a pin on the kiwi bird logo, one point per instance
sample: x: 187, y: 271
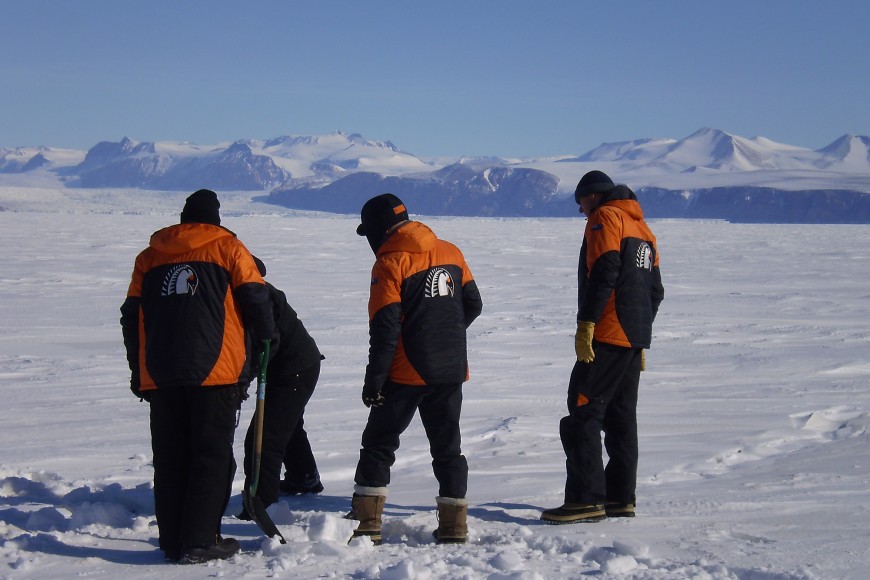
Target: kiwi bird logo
x: 439, y: 282
x: 181, y: 279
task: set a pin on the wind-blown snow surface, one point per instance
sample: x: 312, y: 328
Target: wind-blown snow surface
x: 753, y: 414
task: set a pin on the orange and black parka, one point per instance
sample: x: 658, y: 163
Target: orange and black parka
x: 619, y: 281
x: 423, y: 297
x: 193, y: 293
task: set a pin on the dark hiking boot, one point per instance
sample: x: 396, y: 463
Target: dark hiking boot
x: 368, y: 510
x: 224, y: 548
x: 570, y: 513
x: 294, y: 488
x: 452, y: 520
x: 172, y: 555
x: 244, y: 515
x: 619, y: 510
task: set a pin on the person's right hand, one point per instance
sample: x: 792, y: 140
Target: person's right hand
x: 371, y: 396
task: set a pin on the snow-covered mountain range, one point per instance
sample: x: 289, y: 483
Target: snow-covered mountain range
x: 710, y: 173
x: 241, y: 165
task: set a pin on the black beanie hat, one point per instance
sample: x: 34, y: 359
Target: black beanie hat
x: 202, y: 207
x: 593, y: 182
x: 380, y: 214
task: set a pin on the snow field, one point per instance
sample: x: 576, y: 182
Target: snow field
x: 753, y: 411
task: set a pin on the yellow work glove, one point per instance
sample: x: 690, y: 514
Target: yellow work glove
x: 583, y: 342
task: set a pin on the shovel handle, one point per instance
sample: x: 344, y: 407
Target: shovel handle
x: 260, y: 416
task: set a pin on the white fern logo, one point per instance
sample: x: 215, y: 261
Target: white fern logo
x: 439, y: 282
x: 181, y: 279
x: 644, y: 256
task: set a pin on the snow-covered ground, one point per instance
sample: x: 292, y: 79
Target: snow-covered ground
x: 754, y: 462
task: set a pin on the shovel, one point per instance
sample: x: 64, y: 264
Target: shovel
x: 253, y: 504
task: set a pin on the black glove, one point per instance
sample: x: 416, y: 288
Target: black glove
x: 241, y: 397
x: 371, y: 396
x: 243, y: 393
x: 134, y: 388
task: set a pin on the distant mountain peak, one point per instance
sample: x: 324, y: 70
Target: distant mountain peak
x: 848, y: 152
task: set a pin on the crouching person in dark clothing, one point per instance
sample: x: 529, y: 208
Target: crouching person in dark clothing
x: 193, y: 293
x: 422, y: 299
x: 292, y: 374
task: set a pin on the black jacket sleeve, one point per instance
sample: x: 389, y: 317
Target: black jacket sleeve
x: 472, y: 303
x: 256, y: 309
x: 384, y: 331
x: 658, y: 291
x: 130, y: 330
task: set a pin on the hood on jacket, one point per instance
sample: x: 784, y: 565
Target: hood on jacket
x: 624, y: 198
x: 183, y: 238
x: 412, y: 237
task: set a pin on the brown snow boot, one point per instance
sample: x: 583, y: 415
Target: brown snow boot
x: 452, y: 524
x: 367, y: 510
x: 570, y: 513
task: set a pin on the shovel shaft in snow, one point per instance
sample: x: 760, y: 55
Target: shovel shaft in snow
x: 253, y: 504
x: 260, y: 415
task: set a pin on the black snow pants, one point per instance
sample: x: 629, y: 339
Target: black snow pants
x: 609, y: 386
x: 284, y: 407
x: 440, y: 407
x: 192, y: 430
x: 300, y: 467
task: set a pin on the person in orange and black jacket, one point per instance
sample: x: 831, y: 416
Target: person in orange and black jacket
x: 292, y: 374
x: 619, y: 292
x: 423, y: 297
x: 194, y: 292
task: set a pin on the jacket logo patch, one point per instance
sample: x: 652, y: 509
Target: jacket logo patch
x: 597, y: 227
x: 181, y: 279
x: 644, y: 256
x: 439, y: 282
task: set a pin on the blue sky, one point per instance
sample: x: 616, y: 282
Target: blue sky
x: 499, y: 77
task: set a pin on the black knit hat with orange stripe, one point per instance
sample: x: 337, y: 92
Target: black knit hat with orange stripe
x: 378, y: 215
